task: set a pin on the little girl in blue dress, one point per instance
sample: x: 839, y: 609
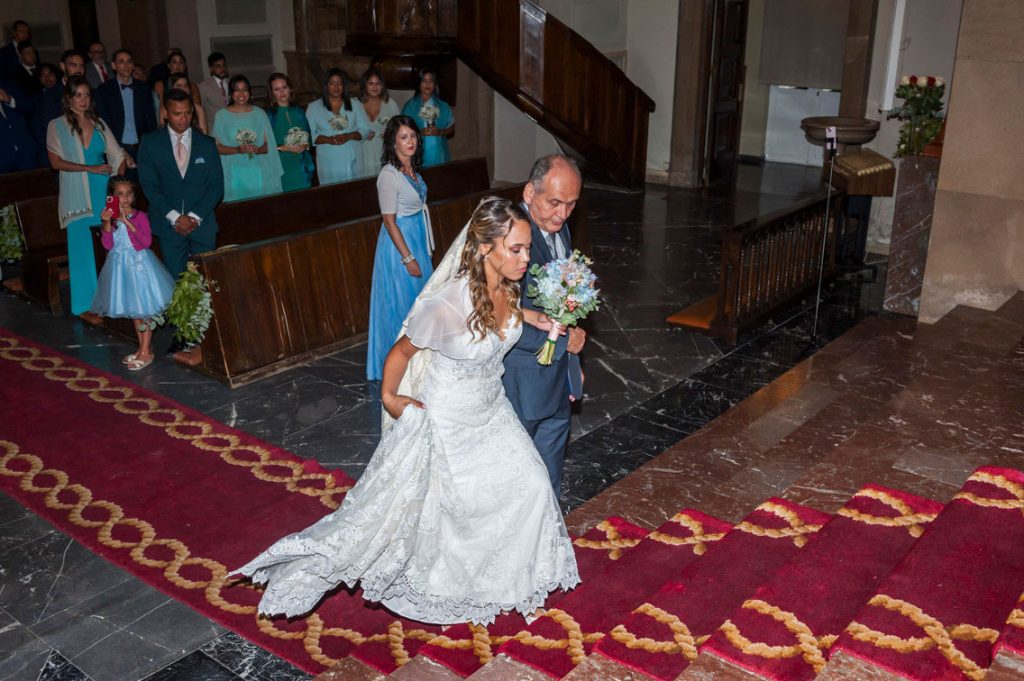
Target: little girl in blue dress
x: 134, y: 284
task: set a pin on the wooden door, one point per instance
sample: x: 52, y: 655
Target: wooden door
x: 729, y: 24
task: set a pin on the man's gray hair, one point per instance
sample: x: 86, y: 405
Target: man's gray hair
x: 542, y: 166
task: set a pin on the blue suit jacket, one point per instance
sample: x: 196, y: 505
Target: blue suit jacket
x: 198, y: 192
x: 535, y: 391
x: 110, y: 107
x: 17, y: 148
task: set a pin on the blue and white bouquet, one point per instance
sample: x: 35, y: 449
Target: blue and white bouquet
x: 338, y: 121
x: 564, y: 290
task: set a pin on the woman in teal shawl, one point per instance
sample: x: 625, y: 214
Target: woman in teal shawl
x: 434, y: 118
x: 285, y: 118
x: 81, y: 146
x: 248, y: 149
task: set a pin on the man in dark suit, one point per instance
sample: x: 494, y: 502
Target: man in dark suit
x: 540, y: 394
x: 20, y: 33
x: 50, y: 103
x: 26, y: 76
x: 126, y: 105
x: 17, y: 148
x: 98, y: 71
x: 181, y: 176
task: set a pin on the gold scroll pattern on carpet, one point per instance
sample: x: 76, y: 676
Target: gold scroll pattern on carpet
x: 1016, y: 490
x: 937, y: 635
x: 683, y: 641
x: 177, y: 424
x: 809, y: 646
x: 483, y: 644
x: 35, y: 478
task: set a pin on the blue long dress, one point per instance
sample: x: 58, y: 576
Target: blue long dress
x: 337, y: 162
x: 134, y: 284
x: 393, y: 290
x: 435, y: 147
x: 81, y: 256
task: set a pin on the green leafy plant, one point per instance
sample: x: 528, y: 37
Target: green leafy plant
x: 190, y: 309
x: 922, y: 102
x: 11, y: 243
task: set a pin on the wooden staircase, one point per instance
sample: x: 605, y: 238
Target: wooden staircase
x: 914, y: 409
x: 536, y: 62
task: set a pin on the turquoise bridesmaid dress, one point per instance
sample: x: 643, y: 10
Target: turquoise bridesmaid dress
x: 81, y: 256
x: 435, y: 148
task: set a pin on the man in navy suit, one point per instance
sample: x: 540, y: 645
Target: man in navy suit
x: 17, y: 148
x: 540, y: 394
x: 9, y: 61
x: 126, y: 105
x: 181, y: 176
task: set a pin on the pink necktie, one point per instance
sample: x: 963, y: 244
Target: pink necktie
x: 181, y: 155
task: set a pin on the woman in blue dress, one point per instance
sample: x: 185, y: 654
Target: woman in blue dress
x: 284, y: 118
x: 337, y: 128
x: 82, y: 147
x: 402, y: 264
x: 247, y: 146
x: 434, y: 118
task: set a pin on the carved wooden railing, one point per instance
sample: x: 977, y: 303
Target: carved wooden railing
x: 533, y: 60
x: 767, y: 264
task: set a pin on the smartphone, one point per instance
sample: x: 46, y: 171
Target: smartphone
x: 114, y: 204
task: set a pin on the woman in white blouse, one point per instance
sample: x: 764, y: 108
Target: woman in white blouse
x: 402, y: 263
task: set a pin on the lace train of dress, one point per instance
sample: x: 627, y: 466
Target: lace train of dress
x: 454, y: 519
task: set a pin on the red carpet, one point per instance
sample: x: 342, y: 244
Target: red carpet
x: 1012, y: 638
x: 785, y: 629
x: 939, y: 613
x: 583, y: 617
x: 175, y: 498
x: 660, y: 638
x: 464, y: 648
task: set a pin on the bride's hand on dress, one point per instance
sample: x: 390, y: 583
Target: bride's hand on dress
x: 396, y: 404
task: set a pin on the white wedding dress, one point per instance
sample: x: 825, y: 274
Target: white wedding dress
x: 454, y: 519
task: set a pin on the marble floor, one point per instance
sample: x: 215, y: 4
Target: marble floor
x: 66, y: 614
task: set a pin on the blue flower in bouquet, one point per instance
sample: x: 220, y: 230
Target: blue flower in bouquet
x: 565, y: 291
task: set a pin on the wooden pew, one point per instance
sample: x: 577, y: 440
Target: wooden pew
x: 768, y: 264
x: 289, y: 300
x: 28, y: 184
x: 267, y: 217
x: 46, y: 251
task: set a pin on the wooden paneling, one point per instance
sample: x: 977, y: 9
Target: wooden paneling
x: 29, y: 184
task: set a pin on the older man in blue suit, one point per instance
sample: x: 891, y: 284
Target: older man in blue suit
x: 540, y: 394
x: 181, y: 175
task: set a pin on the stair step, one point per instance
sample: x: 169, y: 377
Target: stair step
x: 464, y: 648
x: 661, y: 637
x: 1011, y: 639
x: 820, y: 591
x: 938, y: 614
x: 563, y: 636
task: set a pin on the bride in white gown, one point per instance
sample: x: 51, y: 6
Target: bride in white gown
x: 454, y: 519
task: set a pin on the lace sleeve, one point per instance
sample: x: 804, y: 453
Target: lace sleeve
x: 438, y: 324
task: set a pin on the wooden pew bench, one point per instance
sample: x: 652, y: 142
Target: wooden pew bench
x: 28, y: 184
x: 46, y: 251
x: 768, y: 264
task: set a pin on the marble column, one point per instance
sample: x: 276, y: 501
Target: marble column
x: 911, y: 232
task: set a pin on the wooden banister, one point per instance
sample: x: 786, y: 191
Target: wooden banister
x: 768, y: 263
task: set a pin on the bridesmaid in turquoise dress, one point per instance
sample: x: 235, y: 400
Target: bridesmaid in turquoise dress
x: 85, y: 167
x: 284, y: 115
x: 435, y: 131
x: 401, y: 265
x: 251, y: 169
x: 337, y: 128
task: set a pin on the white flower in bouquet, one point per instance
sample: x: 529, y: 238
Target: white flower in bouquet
x: 245, y: 136
x: 296, y: 137
x: 429, y: 113
x: 905, y: 80
x: 339, y: 122
x: 382, y: 123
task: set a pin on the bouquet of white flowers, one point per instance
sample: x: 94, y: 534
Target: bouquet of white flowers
x: 245, y: 136
x: 430, y: 113
x: 382, y: 124
x: 565, y: 292
x: 296, y: 137
x: 339, y: 122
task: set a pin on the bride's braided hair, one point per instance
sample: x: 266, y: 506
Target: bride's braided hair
x: 490, y: 223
